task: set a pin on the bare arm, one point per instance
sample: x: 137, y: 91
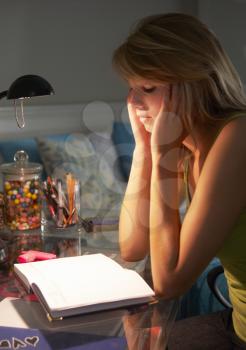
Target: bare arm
x: 178, y: 255
x: 134, y: 216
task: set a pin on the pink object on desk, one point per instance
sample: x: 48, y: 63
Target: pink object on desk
x: 34, y: 255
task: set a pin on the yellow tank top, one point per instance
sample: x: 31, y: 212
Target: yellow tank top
x: 233, y: 258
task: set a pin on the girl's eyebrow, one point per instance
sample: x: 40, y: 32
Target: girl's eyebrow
x: 140, y: 83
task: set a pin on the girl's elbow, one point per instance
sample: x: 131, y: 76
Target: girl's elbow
x: 167, y: 293
x: 132, y: 253
x: 169, y: 289
x: 131, y: 250
x: 131, y: 256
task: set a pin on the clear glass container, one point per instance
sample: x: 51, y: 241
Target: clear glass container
x: 22, y: 192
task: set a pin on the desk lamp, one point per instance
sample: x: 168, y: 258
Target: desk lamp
x: 26, y: 86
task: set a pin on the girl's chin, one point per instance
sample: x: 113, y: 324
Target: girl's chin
x: 148, y: 124
x: 148, y: 128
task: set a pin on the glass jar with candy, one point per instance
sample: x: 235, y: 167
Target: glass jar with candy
x: 22, y: 192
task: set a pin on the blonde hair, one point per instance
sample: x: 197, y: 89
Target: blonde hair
x: 178, y: 49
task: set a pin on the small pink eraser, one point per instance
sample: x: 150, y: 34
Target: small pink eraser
x: 42, y: 255
x: 27, y: 257
x: 35, y: 255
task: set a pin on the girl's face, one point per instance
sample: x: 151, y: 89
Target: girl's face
x: 147, y: 97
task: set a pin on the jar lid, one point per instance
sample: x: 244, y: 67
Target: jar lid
x: 21, y: 165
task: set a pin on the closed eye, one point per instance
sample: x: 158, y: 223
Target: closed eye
x: 148, y: 90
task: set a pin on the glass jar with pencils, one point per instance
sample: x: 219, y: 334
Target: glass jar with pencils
x: 63, y: 200
x: 22, y: 192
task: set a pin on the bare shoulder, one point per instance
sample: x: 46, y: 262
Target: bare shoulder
x: 237, y: 124
x: 226, y: 161
x: 233, y: 135
x: 228, y: 154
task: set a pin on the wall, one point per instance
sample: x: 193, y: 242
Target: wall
x: 227, y: 19
x: 70, y: 43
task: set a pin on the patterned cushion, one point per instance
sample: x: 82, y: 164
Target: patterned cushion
x: 93, y: 160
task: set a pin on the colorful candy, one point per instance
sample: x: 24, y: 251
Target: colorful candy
x: 23, y: 204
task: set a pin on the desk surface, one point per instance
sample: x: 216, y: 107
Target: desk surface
x: 133, y: 327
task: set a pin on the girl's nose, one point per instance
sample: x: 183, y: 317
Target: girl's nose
x: 136, y: 98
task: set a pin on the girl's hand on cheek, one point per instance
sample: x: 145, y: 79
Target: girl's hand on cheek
x: 168, y: 127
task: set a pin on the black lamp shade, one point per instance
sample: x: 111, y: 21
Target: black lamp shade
x: 29, y: 86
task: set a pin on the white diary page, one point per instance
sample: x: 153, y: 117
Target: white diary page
x: 83, y: 281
